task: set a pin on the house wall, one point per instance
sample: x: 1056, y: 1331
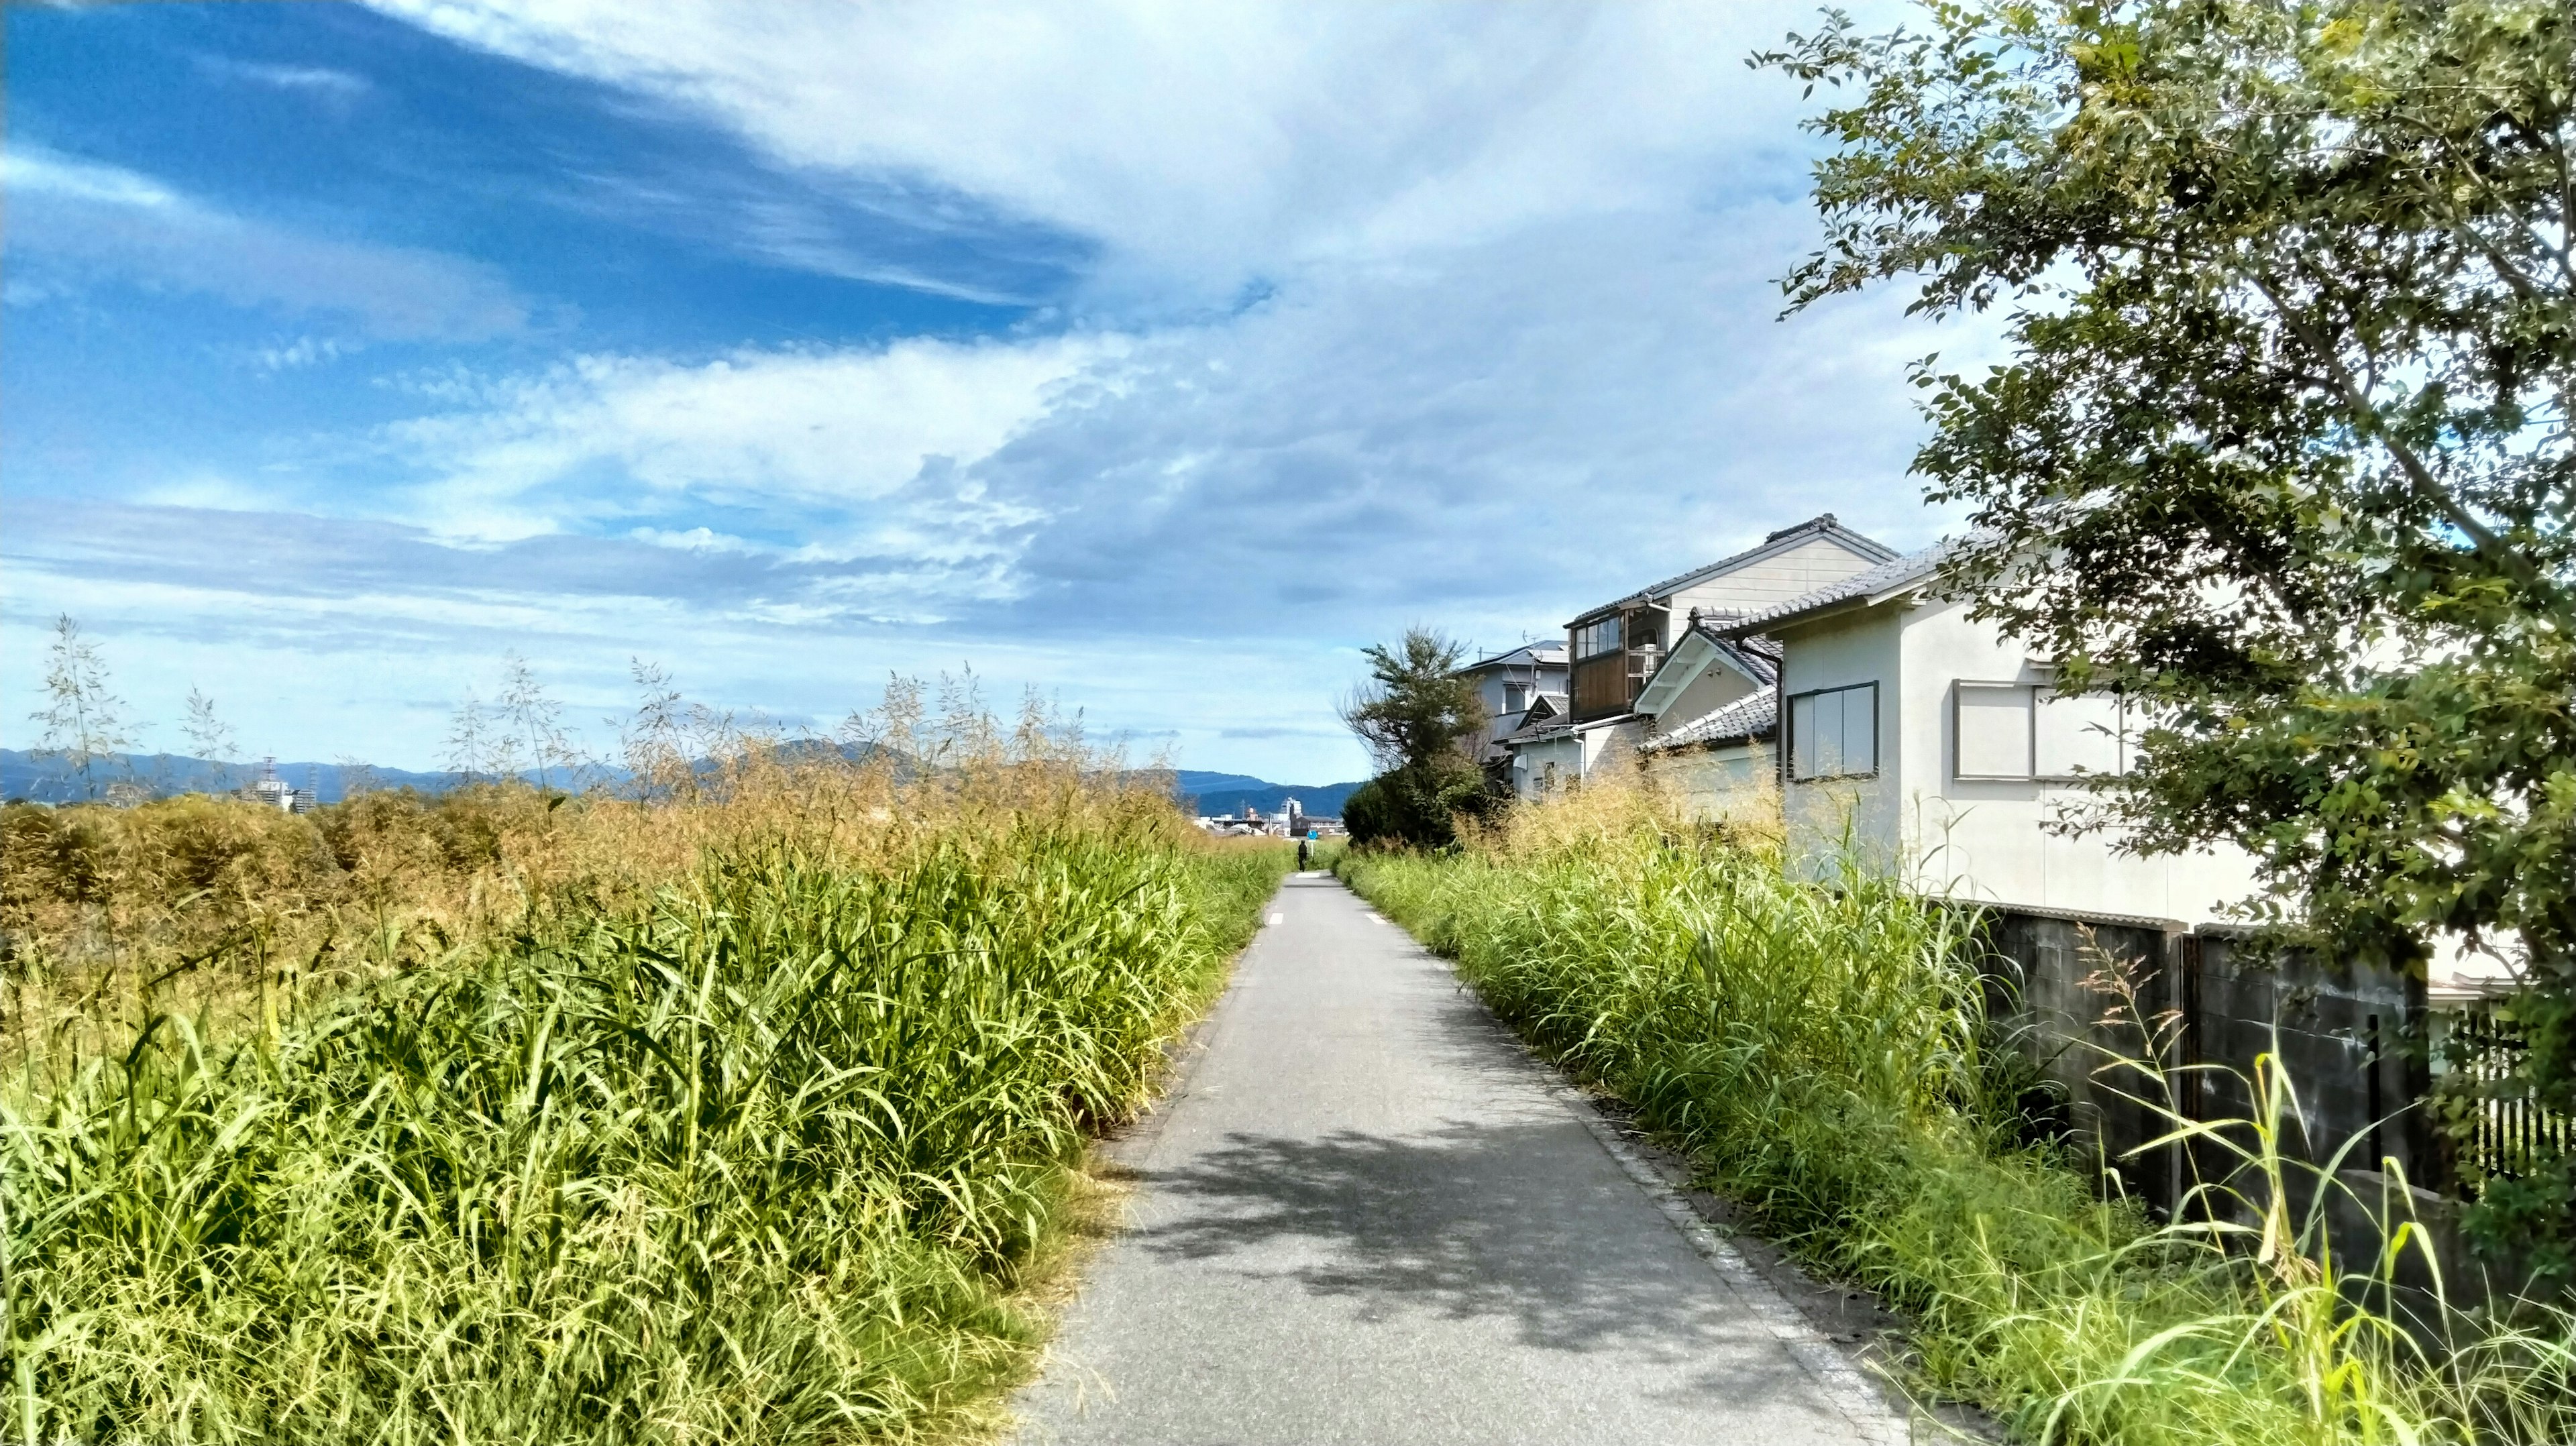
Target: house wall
x: 1610, y: 747
x: 1765, y: 582
x: 1989, y: 841
x: 1981, y: 840
x: 1490, y: 682
x: 1715, y: 687
x: 1556, y: 763
x: 1855, y: 647
x: 1737, y: 783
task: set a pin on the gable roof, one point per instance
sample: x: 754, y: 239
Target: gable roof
x: 1876, y: 585
x: 1822, y: 525
x: 1699, y: 648
x: 1542, y: 653
x: 1541, y: 732
x: 1752, y: 718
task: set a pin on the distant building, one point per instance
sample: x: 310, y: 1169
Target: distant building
x: 1518, y: 686
x: 270, y: 791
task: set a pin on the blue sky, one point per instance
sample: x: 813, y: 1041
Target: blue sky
x: 1157, y: 357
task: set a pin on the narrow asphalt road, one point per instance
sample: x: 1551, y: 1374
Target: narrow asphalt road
x: 1365, y: 1215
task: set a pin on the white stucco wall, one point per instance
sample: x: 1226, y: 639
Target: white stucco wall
x: 1734, y: 784
x: 1715, y: 687
x: 1575, y: 757
x: 1989, y: 840
x: 1969, y: 838
x: 1856, y: 647
x: 1613, y: 745
x: 1537, y: 767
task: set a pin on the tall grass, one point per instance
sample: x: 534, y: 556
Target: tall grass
x: 746, y: 1133
x: 1823, y: 1054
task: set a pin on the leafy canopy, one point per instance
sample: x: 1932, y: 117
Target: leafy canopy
x: 2283, y: 447
x: 1415, y: 715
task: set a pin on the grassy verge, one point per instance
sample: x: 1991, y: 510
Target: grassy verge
x: 757, y: 1148
x: 1822, y: 1055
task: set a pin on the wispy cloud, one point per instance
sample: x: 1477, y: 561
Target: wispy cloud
x: 324, y: 81
x: 859, y: 462
x: 302, y: 352
x: 77, y: 221
x: 1201, y: 146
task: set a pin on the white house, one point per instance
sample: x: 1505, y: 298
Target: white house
x: 1928, y: 743
x: 1512, y: 684
x: 1660, y: 653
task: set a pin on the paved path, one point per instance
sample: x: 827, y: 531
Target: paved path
x: 1366, y: 1215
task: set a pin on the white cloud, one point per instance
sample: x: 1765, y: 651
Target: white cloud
x: 207, y: 491
x: 302, y: 352
x: 80, y: 218
x: 322, y: 81
x: 860, y: 453
x: 1203, y: 144
x: 1490, y: 439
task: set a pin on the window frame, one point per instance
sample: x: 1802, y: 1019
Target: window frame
x: 1789, y: 734
x: 2119, y: 734
x: 2030, y: 731
x: 1586, y: 633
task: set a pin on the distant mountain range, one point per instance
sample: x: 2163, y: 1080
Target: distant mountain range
x: 42, y: 778
x: 1223, y: 793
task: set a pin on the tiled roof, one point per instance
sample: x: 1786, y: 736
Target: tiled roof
x: 1757, y: 664
x: 1886, y: 577
x: 1821, y: 525
x: 1546, y: 731
x: 1542, y: 653
x: 1756, y: 715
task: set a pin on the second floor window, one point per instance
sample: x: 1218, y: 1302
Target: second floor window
x: 1593, y: 639
x: 1515, y: 697
x: 2025, y: 732
x: 1833, y: 733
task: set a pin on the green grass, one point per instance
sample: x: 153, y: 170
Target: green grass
x: 763, y: 1161
x: 1823, y: 1056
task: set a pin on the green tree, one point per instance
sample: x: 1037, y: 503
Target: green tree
x: 83, y: 719
x: 2283, y: 447
x: 1415, y: 716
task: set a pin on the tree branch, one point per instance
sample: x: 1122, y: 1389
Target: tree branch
x: 2489, y: 546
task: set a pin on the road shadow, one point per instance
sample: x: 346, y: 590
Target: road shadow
x: 1516, y: 1220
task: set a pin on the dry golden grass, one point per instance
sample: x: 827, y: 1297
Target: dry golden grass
x: 751, y: 1109
x: 227, y: 911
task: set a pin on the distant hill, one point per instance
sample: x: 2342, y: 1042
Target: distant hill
x: 35, y: 776
x: 43, y: 778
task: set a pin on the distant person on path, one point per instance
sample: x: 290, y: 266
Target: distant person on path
x: 1304, y: 851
